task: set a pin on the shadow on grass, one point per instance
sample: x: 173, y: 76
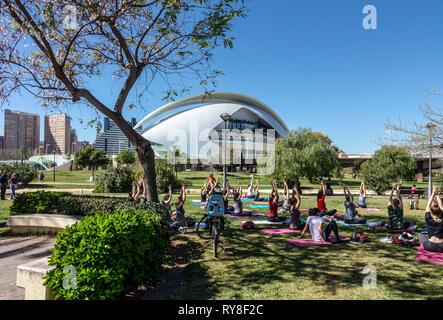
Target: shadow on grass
x: 257, y: 260
x: 182, y: 277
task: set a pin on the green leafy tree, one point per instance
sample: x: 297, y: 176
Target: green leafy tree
x: 304, y: 153
x: 89, y: 157
x: 389, y: 164
x: 165, y: 175
x: 126, y: 157
x: 57, y: 57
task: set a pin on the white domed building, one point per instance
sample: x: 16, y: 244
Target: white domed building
x: 194, y: 124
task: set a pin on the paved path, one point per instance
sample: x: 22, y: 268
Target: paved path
x: 15, y: 251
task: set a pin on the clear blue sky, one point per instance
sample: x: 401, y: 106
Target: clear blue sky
x: 315, y: 65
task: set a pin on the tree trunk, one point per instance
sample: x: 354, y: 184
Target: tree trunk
x: 146, y: 156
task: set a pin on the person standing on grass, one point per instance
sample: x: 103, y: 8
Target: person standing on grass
x: 210, y: 179
x: 13, y: 183
x: 434, y: 225
x: 296, y: 223
x: 273, y: 205
x: 3, y: 185
x: 362, y: 197
x: 351, y: 213
x: 321, y: 204
x: 314, y: 226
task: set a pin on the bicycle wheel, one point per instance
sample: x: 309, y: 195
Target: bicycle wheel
x: 215, y: 238
x: 204, y: 232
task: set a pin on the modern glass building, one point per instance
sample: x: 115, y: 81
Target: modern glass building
x: 112, y: 139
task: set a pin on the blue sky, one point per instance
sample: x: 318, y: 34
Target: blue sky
x: 315, y: 65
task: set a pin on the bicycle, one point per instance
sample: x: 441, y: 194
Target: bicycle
x: 213, y: 223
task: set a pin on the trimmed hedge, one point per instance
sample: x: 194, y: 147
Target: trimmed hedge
x: 111, y: 253
x: 69, y: 204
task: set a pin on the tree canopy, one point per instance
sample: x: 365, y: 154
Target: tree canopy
x: 389, y: 165
x: 304, y: 153
x: 55, y: 50
x: 125, y: 157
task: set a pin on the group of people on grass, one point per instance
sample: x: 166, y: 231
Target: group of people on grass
x: 5, y: 182
x: 321, y: 222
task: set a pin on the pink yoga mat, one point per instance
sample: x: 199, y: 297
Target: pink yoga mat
x: 371, y: 209
x: 280, y: 231
x: 303, y: 210
x: 307, y: 242
x: 261, y: 202
x: 430, y: 257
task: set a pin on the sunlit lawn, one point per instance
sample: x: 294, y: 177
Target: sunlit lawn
x: 261, y: 266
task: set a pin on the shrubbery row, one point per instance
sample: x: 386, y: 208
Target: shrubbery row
x: 70, y: 204
x: 110, y: 254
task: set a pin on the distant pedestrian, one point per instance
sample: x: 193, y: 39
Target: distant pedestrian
x: 41, y: 177
x: 3, y: 185
x: 13, y: 182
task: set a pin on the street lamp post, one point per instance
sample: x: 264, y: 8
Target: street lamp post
x: 431, y: 127
x: 225, y: 117
x: 53, y: 175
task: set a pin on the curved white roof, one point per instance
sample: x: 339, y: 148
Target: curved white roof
x: 195, y: 124
x: 215, y: 98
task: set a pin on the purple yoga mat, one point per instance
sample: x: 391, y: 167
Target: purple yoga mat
x: 430, y: 257
x: 307, y: 242
x: 252, y: 215
x: 280, y: 231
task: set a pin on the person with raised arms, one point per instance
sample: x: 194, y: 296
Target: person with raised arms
x: 179, y: 206
x: 321, y: 204
x: 237, y: 208
x: 434, y: 224
x: 362, y: 196
x: 273, y: 204
x: 351, y: 213
x: 286, y: 206
x: 295, y: 203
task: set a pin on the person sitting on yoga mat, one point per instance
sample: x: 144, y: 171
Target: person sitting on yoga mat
x: 296, y: 223
x: 237, y: 208
x: 434, y: 225
x: 204, y: 192
x: 321, y: 204
x: 250, y: 193
x: 351, y: 213
x: 257, y: 192
x: 179, y: 214
x: 395, y: 212
x: 286, y: 206
x: 166, y: 203
x: 273, y: 205
x: 314, y: 225
x: 362, y: 197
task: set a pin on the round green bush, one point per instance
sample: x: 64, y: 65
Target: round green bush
x: 110, y: 253
x: 115, y: 180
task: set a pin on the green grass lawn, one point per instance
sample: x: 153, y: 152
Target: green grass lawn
x: 261, y: 266
x: 256, y: 265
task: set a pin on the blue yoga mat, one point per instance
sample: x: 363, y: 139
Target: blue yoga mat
x: 259, y: 206
x: 351, y: 225
x: 198, y: 204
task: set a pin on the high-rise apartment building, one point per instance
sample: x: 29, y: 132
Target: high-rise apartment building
x: 22, y: 129
x: 74, y: 141
x: 57, y: 133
